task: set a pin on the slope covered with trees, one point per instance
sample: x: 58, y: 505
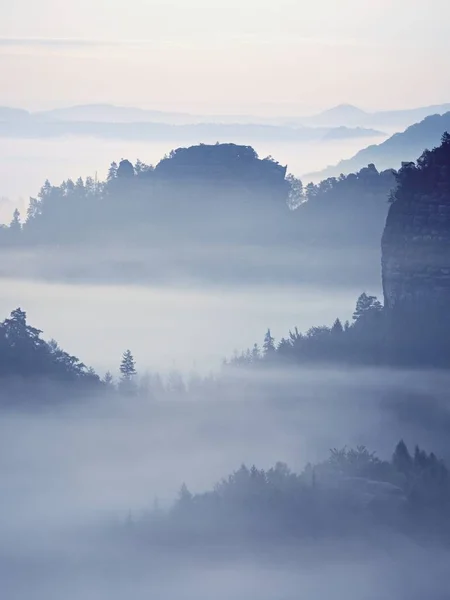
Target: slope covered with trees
x: 224, y: 197
x: 352, y: 494
x: 32, y: 369
x: 401, y: 147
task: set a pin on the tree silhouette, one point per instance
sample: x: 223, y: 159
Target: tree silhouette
x: 24, y: 354
x: 402, y: 459
x: 269, y: 345
x: 127, y: 372
x: 366, y: 304
x: 112, y: 172
x: 337, y: 327
x: 15, y: 226
x: 108, y: 380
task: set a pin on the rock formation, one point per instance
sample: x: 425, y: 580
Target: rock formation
x: 221, y: 162
x: 416, y: 238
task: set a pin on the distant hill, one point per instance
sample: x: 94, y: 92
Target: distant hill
x: 108, y: 113
x: 344, y: 114
x: 405, y: 146
x: 352, y: 116
x: 115, y: 122
x: 405, y: 117
x: 13, y: 114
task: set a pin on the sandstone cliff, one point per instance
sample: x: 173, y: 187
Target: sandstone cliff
x: 416, y: 238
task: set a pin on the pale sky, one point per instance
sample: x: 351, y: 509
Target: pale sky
x: 260, y: 56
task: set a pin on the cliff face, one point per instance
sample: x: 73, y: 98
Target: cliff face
x: 416, y: 239
x: 416, y: 253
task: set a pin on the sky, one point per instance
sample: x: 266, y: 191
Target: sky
x: 226, y: 56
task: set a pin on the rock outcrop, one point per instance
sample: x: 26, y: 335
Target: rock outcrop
x: 221, y: 162
x: 416, y: 238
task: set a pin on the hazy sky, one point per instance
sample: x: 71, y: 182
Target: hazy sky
x: 225, y: 55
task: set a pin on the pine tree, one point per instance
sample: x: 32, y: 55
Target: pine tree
x: 108, y: 380
x: 402, y: 459
x: 337, y: 327
x: 127, y: 366
x: 112, y: 172
x: 256, y: 354
x: 15, y: 225
x: 127, y: 372
x: 269, y: 344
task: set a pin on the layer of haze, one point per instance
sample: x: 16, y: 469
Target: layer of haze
x: 166, y: 327
x: 72, y: 472
x: 66, y: 472
x: 211, y: 55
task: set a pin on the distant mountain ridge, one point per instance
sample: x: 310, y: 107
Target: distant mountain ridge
x: 400, y: 147
x: 336, y: 116
x: 352, y: 116
x: 118, y: 122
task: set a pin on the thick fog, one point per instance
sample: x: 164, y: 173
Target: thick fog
x: 92, y: 472
x: 72, y: 477
x: 187, y: 327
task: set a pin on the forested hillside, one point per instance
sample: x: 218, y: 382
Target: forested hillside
x: 215, y: 194
x: 401, y: 147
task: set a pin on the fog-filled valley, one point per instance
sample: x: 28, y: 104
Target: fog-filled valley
x: 82, y: 504
x: 219, y: 380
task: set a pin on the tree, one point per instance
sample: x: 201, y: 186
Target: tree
x: 256, y: 353
x: 112, y: 172
x: 17, y: 329
x: 108, y: 380
x: 337, y: 327
x: 269, y: 345
x: 127, y: 366
x: 127, y: 372
x: 284, y: 347
x: 402, y: 459
x: 296, y: 194
x: 25, y: 354
x: 15, y: 226
x: 366, y: 304
x: 185, y: 497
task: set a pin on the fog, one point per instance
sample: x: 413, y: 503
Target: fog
x: 187, y: 327
x: 70, y: 477
x: 92, y: 498
x: 26, y: 163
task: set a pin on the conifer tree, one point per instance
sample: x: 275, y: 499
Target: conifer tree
x: 127, y: 372
x: 337, y: 327
x: 402, y: 459
x: 108, y: 380
x: 269, y: 344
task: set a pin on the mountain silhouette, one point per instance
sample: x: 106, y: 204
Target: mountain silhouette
x: 401, y: 147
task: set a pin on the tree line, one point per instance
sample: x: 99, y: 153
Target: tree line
x: 28, y: 363
x: 205, y: 187
x: 353, y: 493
